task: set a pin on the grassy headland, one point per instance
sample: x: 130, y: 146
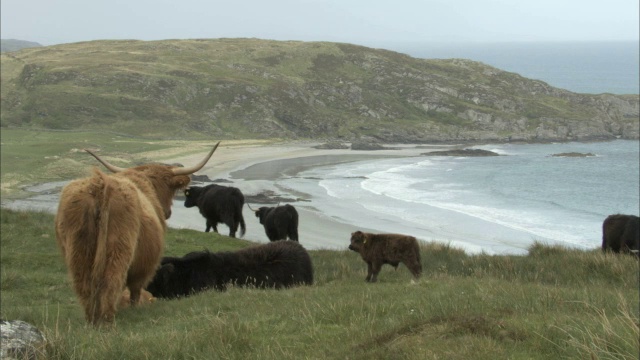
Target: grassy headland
x: 31, y: 157
x: 252, y: 88
x: 552, y: 303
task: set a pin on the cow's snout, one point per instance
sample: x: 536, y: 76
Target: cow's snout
x: 352, y: 248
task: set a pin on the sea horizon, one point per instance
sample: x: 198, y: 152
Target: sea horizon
x: 590, y: 67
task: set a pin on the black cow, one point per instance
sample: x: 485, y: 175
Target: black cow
x: 621, y: 233
x: 218, y: 204
x: 274, y: 265
x: 280, y: 222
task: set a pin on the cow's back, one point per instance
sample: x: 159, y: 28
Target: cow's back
x: 214, y: 202
x: 277, y: 264
x: 281, y: 223
x: 392, y: 245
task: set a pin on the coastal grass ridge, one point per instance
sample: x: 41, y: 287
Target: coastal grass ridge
x: 553, y: 302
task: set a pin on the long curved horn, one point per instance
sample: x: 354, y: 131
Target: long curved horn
x: 191, y: 170
x: 251, y: 208
x: 111, y: 167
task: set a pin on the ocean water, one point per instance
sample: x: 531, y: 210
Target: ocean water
x: 583, y: 67
x: 488, y: 204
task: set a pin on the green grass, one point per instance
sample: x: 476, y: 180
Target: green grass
x: 29, y: 157
x: 553, y: 303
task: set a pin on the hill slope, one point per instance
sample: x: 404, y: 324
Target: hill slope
x: 258, y: 88
x: 14, y: 45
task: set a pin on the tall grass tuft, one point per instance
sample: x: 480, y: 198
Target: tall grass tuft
x: 552, y: 303
x: 606, y: 336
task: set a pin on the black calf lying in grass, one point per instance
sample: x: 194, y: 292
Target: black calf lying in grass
x: 277, y: 265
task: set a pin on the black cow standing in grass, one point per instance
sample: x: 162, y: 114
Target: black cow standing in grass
x: 280, y: 222
x: 621, y: 233
x: 218, y: 204
x: 276, y: 265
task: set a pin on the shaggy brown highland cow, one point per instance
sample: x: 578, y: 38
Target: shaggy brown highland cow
x: 110, y: 230
x: 393, y: 249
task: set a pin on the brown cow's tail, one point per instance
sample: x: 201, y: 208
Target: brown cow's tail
x: 96, y: 300
x: 100, y: 256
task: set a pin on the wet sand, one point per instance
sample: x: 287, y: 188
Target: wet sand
x: 254, y: 169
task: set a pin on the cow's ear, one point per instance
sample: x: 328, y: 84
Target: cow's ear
x: 179, y: 182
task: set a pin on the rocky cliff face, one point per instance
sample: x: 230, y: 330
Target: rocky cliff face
x: 258, y: 88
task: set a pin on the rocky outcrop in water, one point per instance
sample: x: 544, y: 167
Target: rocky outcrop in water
x: 462, y: 153
x: 573, y: 154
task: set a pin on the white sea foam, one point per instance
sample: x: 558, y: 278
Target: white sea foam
x: 497, y: 204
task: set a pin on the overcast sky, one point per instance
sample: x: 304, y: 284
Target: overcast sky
x: 366, y: 22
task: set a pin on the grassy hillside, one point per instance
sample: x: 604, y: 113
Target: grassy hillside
x: 14, y: 45
x: 250, y: 88
x: 30, y: 157
x: 553, y: 303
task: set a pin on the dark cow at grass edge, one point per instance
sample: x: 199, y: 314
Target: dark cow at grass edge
x: 621, y: 233
x: 393, y: 249
x: 218, y: 204
x: 276, y: 265
x: 280, y: 222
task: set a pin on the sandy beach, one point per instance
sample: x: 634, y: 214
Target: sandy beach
x: 253, y: 169
x: 333, y: 203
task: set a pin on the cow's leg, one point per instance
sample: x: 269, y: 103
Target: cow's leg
x: 272, y: 235
x: 369, y: 272
x: 375, y: 269
x: 233, y: 227
x: 135, y: 294
x: 135, y: 283
x: 630, y: 237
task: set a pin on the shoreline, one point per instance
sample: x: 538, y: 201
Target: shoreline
x: 255, y: 169
x: 271, y: 173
